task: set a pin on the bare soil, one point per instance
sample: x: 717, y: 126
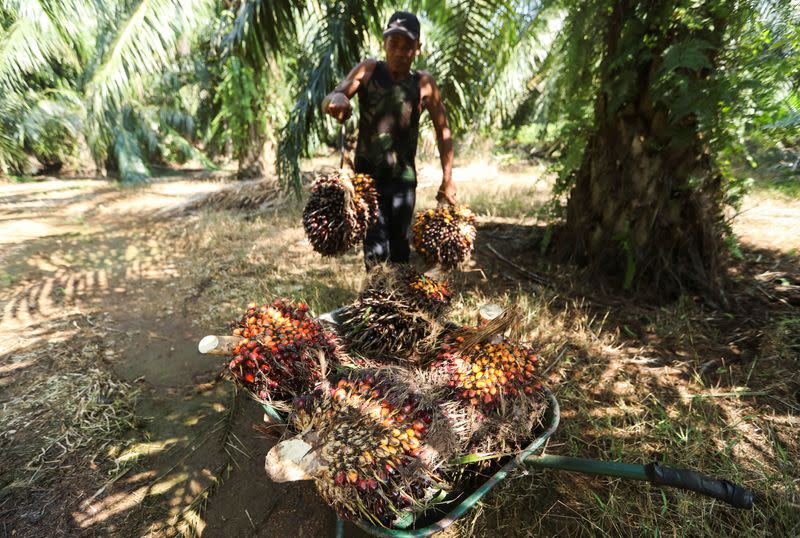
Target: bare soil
x: 81, y: 258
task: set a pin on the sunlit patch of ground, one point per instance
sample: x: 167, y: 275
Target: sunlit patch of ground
x: 771, y: 223
x: 32, y: 210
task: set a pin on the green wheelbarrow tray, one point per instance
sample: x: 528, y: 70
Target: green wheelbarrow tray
x: 449, y: 510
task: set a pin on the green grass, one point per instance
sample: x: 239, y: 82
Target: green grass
x: 502, y: 202
x: 23, y: 179
x: 788, y: 187
x: 7, y: 279
x: 772, y: 172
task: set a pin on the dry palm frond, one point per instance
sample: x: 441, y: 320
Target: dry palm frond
x: 67, y: 413
x: 249, y: 195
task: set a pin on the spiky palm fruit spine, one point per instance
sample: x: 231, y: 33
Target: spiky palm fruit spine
x: 396, y: 316
x: 383, y: 326
x: 373, y: 441
x: 281, y: 350
x: 445, y: 235
x: 339, y: 210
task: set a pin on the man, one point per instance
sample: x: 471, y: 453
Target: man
x: 391, y: 98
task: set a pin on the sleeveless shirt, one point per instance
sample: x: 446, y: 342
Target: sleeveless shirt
x: 388, y: 126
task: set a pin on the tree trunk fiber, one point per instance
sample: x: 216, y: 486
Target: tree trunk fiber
x: 645, y: 209
x: 632, y: 212
x: 255, y: 159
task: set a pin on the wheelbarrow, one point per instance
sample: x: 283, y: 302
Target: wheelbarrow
x: 450, y: 509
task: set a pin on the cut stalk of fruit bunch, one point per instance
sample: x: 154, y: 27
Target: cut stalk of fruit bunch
x: 340, y: 208
x: 445, y: 235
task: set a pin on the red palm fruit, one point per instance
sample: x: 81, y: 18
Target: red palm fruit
x: 338, y: 212
x: 285, y: 356
x: 445, y: 235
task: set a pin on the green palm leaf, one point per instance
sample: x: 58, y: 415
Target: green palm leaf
x: 36, y: 39
x: 337, y: 40
x: 144, y: 45
x: 473, y: 40
x: 263, y: 27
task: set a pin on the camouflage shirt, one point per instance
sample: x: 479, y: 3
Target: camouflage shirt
x: 388, y: 126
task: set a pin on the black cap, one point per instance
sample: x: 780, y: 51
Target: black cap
x: 403, y: 22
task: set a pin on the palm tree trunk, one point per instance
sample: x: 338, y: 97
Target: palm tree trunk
x: 254, y: 156
x: 646, y: 210
x: 633, y: 212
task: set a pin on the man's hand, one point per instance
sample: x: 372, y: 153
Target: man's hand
x: 337, y: 103
x: 447, y: 193
x: 338, y: 106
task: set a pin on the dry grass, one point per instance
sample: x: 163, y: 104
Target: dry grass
x: 63, y: 421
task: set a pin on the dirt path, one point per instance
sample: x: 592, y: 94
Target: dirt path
x: 79, y: 263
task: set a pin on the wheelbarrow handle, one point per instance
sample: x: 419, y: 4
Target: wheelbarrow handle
x: 723, y: 490
x: 654, y: 473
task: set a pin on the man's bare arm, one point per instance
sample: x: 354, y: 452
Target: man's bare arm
x: 337, y: 103
x: 432, y: 101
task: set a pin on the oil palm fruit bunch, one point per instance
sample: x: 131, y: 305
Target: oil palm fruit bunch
x: 371, y: 438
x: 396, y: 316
x: 445, y: 235
x: 383, y: 325
x: 487, y: 372
x: 339, y: 210
x: 366, y: 200
x: 495, y: 378
x: 425, y: 293
x: 281, y: 350
x: 415, y: 289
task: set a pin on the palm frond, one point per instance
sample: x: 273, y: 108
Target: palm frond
x: 52, y: 125
x: 473, y: 39
x: 145, y: 44
x: 509, y: 83
x: 12, y: 155
x: 262, y: 27
x: 12, y: 152
x: 340, y: 34
x: 177, y: 119
x: 180, y: 150
x: 130, y: 160
x: 34, y: 41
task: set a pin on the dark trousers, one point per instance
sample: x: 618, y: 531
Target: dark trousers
x: 387, y: 239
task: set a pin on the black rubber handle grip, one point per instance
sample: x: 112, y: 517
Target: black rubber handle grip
x: 723, y: 490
